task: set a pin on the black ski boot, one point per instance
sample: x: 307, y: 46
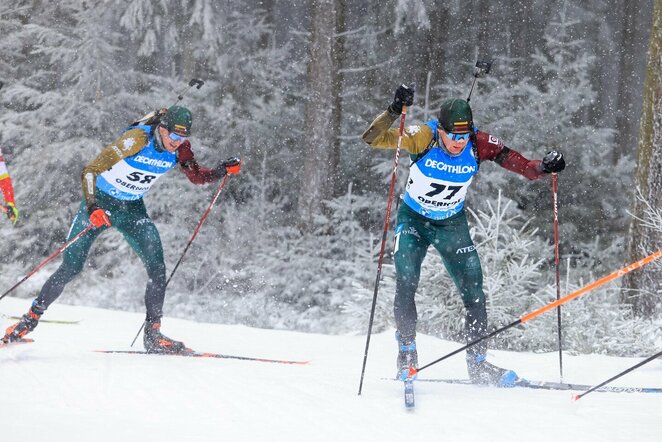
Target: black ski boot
x: 482, y: 372
x: 156, y: 342
x: 28, y: 322
x: 407, y: 356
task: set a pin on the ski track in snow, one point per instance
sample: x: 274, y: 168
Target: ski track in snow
x: 58, y: 389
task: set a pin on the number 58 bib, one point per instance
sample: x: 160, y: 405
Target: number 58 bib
x: 132, y: 177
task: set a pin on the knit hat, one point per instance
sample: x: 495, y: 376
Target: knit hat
x: 455, y: 116
x: 178, y: 119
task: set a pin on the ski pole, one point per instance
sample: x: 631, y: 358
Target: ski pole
x: 195, y: 233
x: 193, y: 82
x: 387, y: 221
x: 60, y: 250
x: 482, y: 68
x: 558, y: 271
x: 197, y: 229
x: 527, y: 317
x: 634, y: 367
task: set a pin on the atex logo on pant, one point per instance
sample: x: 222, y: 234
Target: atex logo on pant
x: 462, y: 250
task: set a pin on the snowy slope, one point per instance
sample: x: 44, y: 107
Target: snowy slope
x: 58, y: 389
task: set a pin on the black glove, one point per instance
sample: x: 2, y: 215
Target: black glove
x: 404, y: 95
x: 232, y: 166
x: 553, y: 162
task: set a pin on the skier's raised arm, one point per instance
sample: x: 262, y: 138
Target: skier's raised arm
x: 7, y: 191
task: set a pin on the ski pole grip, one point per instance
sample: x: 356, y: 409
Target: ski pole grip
x: 196, y: 82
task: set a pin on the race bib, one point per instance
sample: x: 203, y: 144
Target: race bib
x: 436, y: 198
x: 132, y: 177
x: 127, y: 180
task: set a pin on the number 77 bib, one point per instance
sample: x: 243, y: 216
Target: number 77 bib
x: 437, y: 183
x: 435, y: 198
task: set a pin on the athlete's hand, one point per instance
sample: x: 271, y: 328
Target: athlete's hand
x: 553, y: 162
x: 12, y: 212
x: 404, y: 95
x: 231, y: 166
x: 98, y: 216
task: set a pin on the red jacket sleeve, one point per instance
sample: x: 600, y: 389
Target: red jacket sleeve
x: 5, y: 182
x: 193, y: 171
x: 491, y: 148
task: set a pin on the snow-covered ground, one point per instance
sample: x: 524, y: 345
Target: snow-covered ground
x: 58, y: 389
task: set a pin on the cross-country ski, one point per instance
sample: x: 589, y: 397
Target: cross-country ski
x: 4, y: 344
x: 52, y: 321
x: 547, y: 385
x: 198, y: 354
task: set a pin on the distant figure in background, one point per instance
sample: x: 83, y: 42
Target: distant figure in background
x: 7, y: 191
x: 445, y: 155
x: 114, y: 184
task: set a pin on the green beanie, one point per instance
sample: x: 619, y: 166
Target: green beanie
x: 178, y: 119
x: 455, y: 116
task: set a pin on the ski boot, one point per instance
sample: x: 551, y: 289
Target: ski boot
x: 407, y: 356
x: 156, y: 342
x: 28, y: 322
x: 482, y: 372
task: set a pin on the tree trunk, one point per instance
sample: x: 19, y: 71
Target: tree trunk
x: 322, y: 73
x: 632, y: 43
x: 643, y: 288
x: 335, y: 181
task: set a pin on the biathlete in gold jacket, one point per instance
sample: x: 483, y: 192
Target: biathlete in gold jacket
x: 114, y: 184
x: 446, y: 153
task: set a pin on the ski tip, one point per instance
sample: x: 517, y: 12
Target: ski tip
x: 409, y: 395
x: 51, y: 321
x: 6, y: 343
x: 576, y: 397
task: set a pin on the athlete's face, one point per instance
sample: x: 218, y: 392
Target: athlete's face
x: 171, y: 141
x: 455, y: 143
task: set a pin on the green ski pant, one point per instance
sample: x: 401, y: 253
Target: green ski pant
x: 413, y: 235
x: 132, y: 220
